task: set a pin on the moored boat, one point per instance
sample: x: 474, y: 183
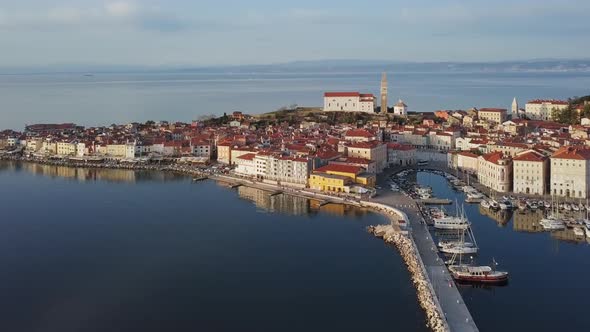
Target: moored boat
x: 485, y: 204
x: 478, y: 274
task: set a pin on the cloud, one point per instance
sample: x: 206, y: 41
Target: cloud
x: 117, y: 13
x: 121, y: 9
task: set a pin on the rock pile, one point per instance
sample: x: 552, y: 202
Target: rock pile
x: 426, y: 297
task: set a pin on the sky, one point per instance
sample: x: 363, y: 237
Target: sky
x: 238, y: 32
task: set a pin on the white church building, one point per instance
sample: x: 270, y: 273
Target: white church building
x: 349, y: 102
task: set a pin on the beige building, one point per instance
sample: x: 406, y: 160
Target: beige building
x: 467, y: 162
x: 66, y: 148
x: 282, y: 170
x: 497, y: 115
x: 374, y: 151
x: 531, y: 173
x: 541, y: 109
x: 570, y: 172
x: 495, y: 171
x: 224, y: 153
x: 400, y: 154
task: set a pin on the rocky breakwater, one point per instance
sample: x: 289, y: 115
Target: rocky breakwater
x: 426, y: 297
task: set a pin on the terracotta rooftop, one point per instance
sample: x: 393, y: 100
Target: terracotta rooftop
x: 530, y: 155
x: 548, y: 101
x: 493, y: 157
x: 572, y: 152
x: 359, y: 133
x: 400, y: 147
x: 340, y: 168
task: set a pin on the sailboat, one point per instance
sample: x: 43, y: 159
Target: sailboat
x: 552, y: 221
x: 475, y: 273
x: 460, y: 247
x: 452, y: 222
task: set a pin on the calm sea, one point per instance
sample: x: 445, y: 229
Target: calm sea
x: 110, y: 250
x: 548, y: 284
x: 103, y: 99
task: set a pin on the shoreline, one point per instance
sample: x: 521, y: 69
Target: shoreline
x: 401, y: 239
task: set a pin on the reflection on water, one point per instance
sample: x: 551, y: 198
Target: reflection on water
x: 502, y: 217
x: 528, y: 221
x: 294, y: 205
x: 285, y: 204
x: 90, y: 174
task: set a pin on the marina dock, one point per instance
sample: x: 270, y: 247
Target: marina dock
x: 435, y: 201
x: 451, y: 302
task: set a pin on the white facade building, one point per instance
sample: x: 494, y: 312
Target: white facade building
x: 531, y: 172
x: 400, y: 108
x: 540, y: 109
x: 570, y: 172
x: 349, y: 102
x: 495, y: 171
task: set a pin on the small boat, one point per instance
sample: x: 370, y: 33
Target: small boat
x: 533, y: 205
x: 522, y: 205
x: 551, y: 223
x: 505, y: 205
x: 494, y: 205
x: 485, y: 204
x: 547, y: 205
x: 567, y: 207
x: 579, y: 231
x: 459, y: 248
x: 581, y: 207
x: 575, y: 207
x: 478, y: 274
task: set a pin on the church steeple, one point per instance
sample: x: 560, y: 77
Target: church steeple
x: 384, y: 93
x: 514, y: 107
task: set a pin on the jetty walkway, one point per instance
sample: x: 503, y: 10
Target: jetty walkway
x: 454, y: 308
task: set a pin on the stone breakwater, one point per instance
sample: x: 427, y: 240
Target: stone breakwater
x: 188, y: 170
x: 434, y: 317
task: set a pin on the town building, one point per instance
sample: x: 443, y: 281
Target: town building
x: 400, y: 108
x: 400, y: 154
x: 497, y: 115
x: 339, y: 178
x: 495, y: 171
x: 349, y: 102
x: 374, y: 151
x: 542, y: 109
x: 531, y: 173
x: 384, y: 93
x: 570, y: 172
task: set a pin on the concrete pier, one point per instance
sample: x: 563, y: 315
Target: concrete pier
x: 451, y: 302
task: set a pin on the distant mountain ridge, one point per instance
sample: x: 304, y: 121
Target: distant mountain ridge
x: 536, y: 65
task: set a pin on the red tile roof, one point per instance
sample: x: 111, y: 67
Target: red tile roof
x: 340, y: 168
x: 247, y: 156
x: 493, y: 157
x: 548, y: 101
x: 341, y: 94
x: 401, y: 147
x: 365, y: 145
x: 359, y: 133
x: 530, y: 155
x: 572, y: 152
x: 493, y: 110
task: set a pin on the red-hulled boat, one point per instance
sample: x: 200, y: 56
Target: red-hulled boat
x: 478, y: 274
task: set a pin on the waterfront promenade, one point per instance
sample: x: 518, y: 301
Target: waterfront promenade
x: 455, y: 310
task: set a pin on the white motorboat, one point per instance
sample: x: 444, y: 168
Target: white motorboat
x: 551, y: 223
x: 547, y: 204
x: 575, y: 207
x: 579, y: 231
x: 459, y: 248
x: 485, y: 204
x: 567, y: 207
x: 505, y: 205
x: 450, y: 222
x: 494, y: 204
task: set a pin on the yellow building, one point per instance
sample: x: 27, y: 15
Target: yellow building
x: 329, y: 182
x: 338, y: 178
